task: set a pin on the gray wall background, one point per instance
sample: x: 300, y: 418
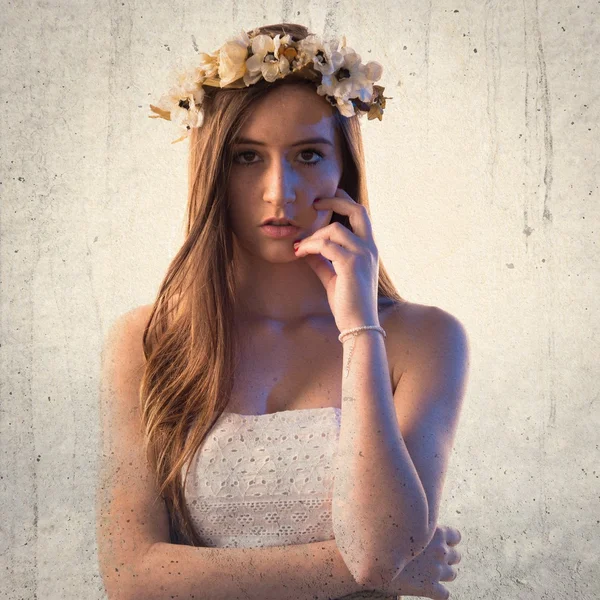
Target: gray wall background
x: 483, y: 178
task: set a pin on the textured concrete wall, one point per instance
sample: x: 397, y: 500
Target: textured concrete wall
x: 483, y: 178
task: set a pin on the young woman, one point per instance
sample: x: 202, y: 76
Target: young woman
x: 278, y: 423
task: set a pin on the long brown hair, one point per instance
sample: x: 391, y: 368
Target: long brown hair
x: 189, y: 339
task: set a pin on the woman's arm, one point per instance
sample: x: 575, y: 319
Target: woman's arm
x: 314, y: 571
x: 135, y: 557
x: 394, y: 448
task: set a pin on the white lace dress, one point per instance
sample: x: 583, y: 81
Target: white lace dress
x: 267, y: 480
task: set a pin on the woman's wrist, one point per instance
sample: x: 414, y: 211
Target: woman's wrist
x: 345, y: 577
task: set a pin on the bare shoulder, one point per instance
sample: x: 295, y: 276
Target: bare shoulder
x: 123, y: 358
x: 134, y: 318
x: 415, y: 331
x: 413, y: 318
x: 125, y: 333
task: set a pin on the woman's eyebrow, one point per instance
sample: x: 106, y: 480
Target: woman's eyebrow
x: 312, y: 140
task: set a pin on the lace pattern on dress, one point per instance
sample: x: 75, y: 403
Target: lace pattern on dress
x: 267, y: 480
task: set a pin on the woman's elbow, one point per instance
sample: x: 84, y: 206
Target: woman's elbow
x: 128, y: 580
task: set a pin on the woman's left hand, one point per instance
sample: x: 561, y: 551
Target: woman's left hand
x: 351, y: 279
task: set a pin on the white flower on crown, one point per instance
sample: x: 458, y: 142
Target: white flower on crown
x: 267, y: 60
x: 319, y: 52
x: 185, y: 110
x: 350, y: 79
x: 185, y: 97
x: 187, y: 80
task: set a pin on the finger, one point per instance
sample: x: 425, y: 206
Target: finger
x: 330, y: 250
x: 454, y: 556
x: 321, y: 266
x: 448, y: 573
x: 440, y: 533
x: 439, y: 592
x: 453, y: 536
x: 339, y: 234
x: 440, y: 550
x: 343, y: 204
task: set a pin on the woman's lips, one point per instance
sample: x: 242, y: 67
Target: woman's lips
x: 280, y: 231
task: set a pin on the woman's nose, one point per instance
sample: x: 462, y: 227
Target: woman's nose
x: 280, y: 182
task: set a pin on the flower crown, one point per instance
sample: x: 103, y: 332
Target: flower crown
x: 244, y: 59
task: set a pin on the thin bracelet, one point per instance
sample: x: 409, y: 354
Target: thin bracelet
x: 354, y: 332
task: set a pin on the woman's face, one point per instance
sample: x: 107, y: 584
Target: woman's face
x: 281, y: 174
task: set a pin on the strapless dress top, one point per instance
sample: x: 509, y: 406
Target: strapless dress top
x: 266, y: 480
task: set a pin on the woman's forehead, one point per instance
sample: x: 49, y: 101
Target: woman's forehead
x: 290, y: 113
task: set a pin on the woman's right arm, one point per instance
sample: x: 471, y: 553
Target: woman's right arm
x: 136, y: 558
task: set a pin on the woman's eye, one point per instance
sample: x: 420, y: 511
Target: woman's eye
x: 313, y: 152
x: 245, y: 154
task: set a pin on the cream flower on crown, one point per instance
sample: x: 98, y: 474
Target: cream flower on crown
x: 267, y: 60
x: 209, y: 65
x: 188, y: 80
x: 232, y: 59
